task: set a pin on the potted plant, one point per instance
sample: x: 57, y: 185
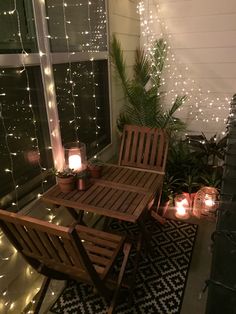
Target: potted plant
x: 83, y: 182
x: 184, y: 166
x: 211, y: 150
x: 65, y: 179
x: 145, y: 101
x: 169, y: 188
x: 95, y: 167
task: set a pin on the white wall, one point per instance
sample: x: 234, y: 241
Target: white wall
x: 203, y: 38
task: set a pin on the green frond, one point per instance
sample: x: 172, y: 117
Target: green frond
x: 141, y: 68
x: 144, y: 100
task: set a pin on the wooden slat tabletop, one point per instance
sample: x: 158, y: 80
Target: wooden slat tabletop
x: 104, y: 199
x: 121, y: 193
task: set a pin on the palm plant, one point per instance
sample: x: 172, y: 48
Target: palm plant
x: 144, y: 100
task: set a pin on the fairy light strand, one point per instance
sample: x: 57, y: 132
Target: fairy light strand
x: 24, y: 53
x: 97, y: 127
x: 175, y: 79
x: 11, y: 170
x: 71, y: 81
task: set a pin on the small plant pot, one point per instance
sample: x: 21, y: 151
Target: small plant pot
x: 95, y: 171
x: 83, y: 184
x: 66, y: 184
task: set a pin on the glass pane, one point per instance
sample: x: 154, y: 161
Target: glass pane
x: 83, y: 23
x: 20, y: 136
x: 9, y: 38
x: 90, y: 96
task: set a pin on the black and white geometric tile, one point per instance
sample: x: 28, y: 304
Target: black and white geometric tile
x: 160, y: 281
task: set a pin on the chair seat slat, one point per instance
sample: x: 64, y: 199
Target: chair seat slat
x: 98, y: 241
x: 100, y: 234
x: 99, y: 250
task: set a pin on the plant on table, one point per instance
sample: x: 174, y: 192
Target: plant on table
x: 95, y: 167
x: 65, y: 179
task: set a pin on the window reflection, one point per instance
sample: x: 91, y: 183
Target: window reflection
x: 85, y: 25
x: 23, y: 130
x: 91, y: 112
x: 9, y: 38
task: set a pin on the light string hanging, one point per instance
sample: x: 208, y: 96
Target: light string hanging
x: 203, y: 104
x: 94, y: 84
x: 11, y: 154
x: 35, y: 138
x: 6, y: 301
x: 69, y: 71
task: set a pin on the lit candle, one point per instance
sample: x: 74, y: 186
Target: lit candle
x: 181, y: 206
x: 181, y: 211
x: 75, y: 162
x: 209, y: 202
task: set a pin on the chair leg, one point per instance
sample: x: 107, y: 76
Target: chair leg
x: 42, y: 294
x: 126, y: 250
x: 158, y: 217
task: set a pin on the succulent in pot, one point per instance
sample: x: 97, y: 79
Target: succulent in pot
x: 95, y: 167
x: 65, y: 179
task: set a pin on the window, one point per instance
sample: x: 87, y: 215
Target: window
x: 9, y: 38
x: 68, y: 51
x: 90, y: 117
x: 23, y: 132
x: 85, y: 25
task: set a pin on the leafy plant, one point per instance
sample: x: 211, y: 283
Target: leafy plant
x: 144, y: 99
x: 170, y: 185
x: 95, y: 162
x: 191, y: 181
x: 213, y: 179
x: 182, y: 168
x: 208, y: 149
x: 65, y: 173
x: 82, y: 174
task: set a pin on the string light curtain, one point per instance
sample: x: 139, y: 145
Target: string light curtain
x: 24, y: 132
x: 201, y: 104
x: 81, y: 82
x: 28, y: 114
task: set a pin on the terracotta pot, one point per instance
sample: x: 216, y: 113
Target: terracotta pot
x: 66, y: 184
x: 95, y: 171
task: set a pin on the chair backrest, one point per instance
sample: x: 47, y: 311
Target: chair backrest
x: 48, y: 246
x: 144, y: 147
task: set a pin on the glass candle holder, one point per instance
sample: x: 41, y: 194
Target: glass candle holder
x: 181, y: 206
x: 206, y: 202
x: 75, y: 156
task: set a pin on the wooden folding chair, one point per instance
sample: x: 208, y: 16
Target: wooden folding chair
x: 145, y: 148
x: 76, y: 252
